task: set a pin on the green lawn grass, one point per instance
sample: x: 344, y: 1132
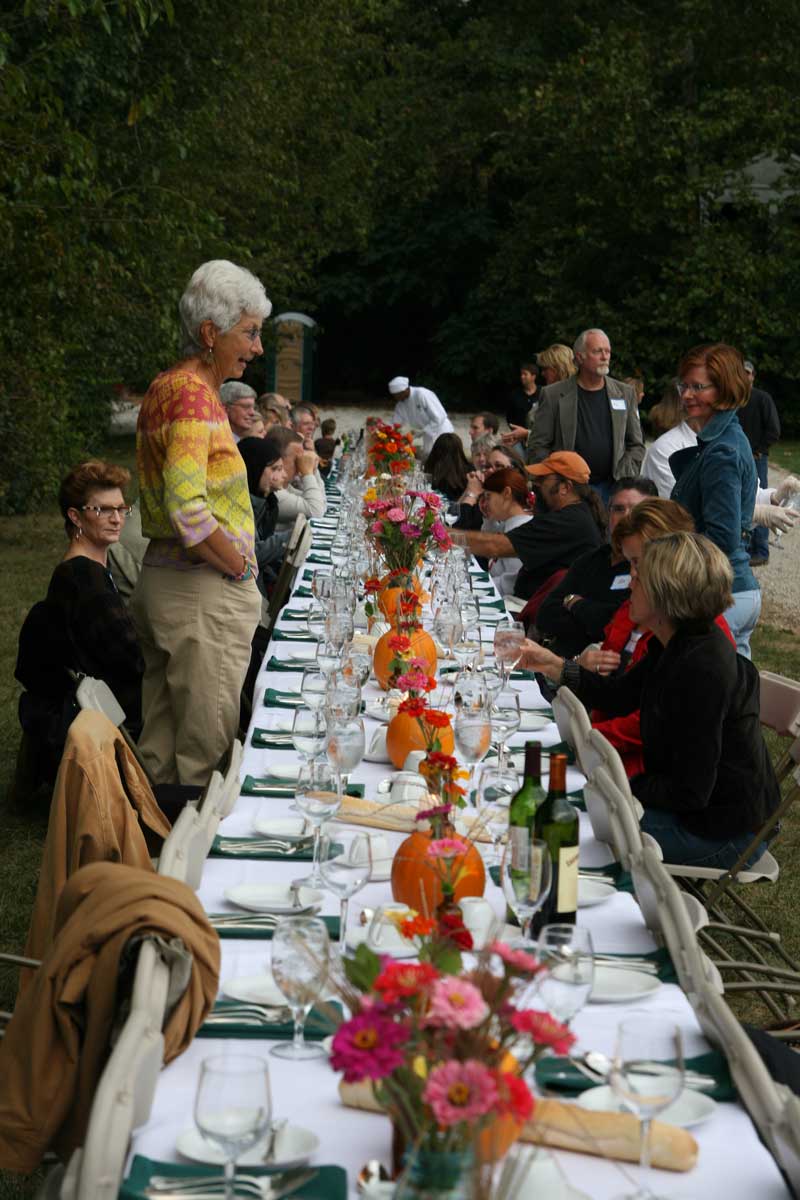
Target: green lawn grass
x: 786, y: 455
x: 30, y: 547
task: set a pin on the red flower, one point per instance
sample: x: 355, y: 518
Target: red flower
x: 415, y: 706
x: 372, y: 585
x: 437, y: 719
x: 453, y: 929
x: 544, y: 1030
x: 399, y: 642
x: 417, y: 926
x: 398, y: 981
x: 513, y: 1096
x: 398, y: 466
x: 444, y: 762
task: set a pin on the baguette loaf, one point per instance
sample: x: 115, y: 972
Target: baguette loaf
x: 562, y: 1126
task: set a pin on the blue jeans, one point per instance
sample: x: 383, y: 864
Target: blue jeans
x: 759, y: 538
x: 742, y: 618
x: 681, y: 846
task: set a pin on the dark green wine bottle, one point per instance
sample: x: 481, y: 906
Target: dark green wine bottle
x: 557, y: 825
x: 522, y: 809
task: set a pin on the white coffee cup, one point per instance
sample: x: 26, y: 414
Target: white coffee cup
x: 408, y: 787
x: 479, y: 919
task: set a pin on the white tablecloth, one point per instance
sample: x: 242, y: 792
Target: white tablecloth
x: 732, y: 1161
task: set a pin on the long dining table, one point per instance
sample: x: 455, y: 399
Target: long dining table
x: 732, y: 1162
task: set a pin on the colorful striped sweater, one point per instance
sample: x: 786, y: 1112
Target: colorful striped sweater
x: 192, y: 479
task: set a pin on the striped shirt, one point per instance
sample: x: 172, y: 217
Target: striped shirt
x: 192, y: 479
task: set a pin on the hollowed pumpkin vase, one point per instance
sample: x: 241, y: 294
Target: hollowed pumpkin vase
x: 422, y: 646
x: 416, y: 883
x: 403, y: 735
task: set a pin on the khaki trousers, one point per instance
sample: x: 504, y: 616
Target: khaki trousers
x: 195, y: 630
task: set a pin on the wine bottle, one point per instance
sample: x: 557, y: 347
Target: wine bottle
x: 522, y: 810
x: 556, y: 824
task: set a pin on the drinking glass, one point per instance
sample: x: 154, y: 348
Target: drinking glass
x: 233, y: 1106
x: 506, y: 719
x: 314, y: 686
x: 339, y: 629
x: 329, y: 657
x: 646, y: 1076
x: 345, y: 870
x: 526, y: 876
x: 308, y: 732
x: 357, y: 667
x: 317, y: 797
x: 451, y: 511
x: 321, y: 586
x: 472, y: 731
x: 315, y: 621
x: 343, y: 699
x: 447, y: 625
x: 470, y: 691
x: 344, y: 747
x: 508, y: 640
x: 496, y: 786
x: 468, y: 647
x: 567, y: 953
x: 299, y: 963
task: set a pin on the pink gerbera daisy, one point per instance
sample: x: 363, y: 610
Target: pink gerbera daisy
x: 456, y: 1004
x: 459, y: 1091
x: 368, y: 1046
x: 446, y: 848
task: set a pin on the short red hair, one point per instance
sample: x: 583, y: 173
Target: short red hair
x: 725, y: 365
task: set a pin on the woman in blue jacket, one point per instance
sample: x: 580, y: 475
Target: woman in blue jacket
x: 716, y: 480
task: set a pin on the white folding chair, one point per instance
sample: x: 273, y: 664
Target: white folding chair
x: 186, y: 848
x: 598, y: 752
x: 96, y: 695
x: 573, y: 722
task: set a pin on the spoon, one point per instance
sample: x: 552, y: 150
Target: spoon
x: 372, y: 1172
x: 601, y: 1065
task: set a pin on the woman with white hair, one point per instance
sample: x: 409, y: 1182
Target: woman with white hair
x: 196, y: 604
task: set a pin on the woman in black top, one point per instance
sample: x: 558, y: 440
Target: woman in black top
x: 83, y: 624
x: 266, y: 475
x: 708, y: 783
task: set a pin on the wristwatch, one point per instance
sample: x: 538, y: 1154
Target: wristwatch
x: 568, y: 600
x: 570, y: 675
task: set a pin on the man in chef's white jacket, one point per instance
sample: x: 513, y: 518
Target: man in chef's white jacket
x: 421, y: 410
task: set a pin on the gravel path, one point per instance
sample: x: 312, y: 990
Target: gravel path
x: 779, y: 579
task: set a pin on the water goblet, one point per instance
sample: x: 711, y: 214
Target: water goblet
x: 329, y: 657
x: 342, y: 699
x: 451, y: 512
x: 344, y: 747
x: 299, y: 962
x: 315, y: 621
x: 467, y: 649
x: 567, y: 954
x: 321, y: 586
x: 472, y: 732
x: 447, y: 625
x: 509, y: 637
x: 339, y: 629
x: 308, y: 732
x: 233, y: 1107
x: 317, y: 798
x: 526, y: 875
x: 496, y: 786
x: 506, y: 719
x: 345, y: 870
x: 313, y: 686
x: 357, y: 667
x: 646, y: 1076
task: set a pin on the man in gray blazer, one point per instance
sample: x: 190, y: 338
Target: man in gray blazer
x: 592, y: 414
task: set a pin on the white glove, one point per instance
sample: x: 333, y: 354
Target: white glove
x: 778, y: 520
x: 790, y: 487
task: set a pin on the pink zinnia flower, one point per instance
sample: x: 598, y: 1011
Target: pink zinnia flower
x: 412, y: 680
x: 376, y: 527
x: 544, y: 1029
x: 368, y: 1046
x: 395, y: 514
x: 456, y: 1004
x: 459, y: 1091
x: 408, y: 529
x: 441, y: 810
x: 516, y: 960
x: 419, y: 663
x: 446, y: 848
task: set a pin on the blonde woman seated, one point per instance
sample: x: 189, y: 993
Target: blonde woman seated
x: 708, y: 783
x: 505, y: 504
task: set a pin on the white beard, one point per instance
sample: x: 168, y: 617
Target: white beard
x: 603, y: 370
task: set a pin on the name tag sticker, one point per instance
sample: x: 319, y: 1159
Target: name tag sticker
x: 618, y: 404
x: 619, y: 582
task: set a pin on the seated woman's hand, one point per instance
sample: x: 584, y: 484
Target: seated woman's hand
x: 603, y: 662
x: 537, y: 658
x: 517, y: 433
x: 474, y: 487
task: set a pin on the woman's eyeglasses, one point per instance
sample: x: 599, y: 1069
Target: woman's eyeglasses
x: 693, y: 387
x: 107, y: 510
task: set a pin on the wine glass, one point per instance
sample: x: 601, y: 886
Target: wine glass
x: 314, y: 686
x: 472, y: 731
x: 526, y: 875
x: 506, y: 719
x: 315, y: 621
x: 470, y: 690
x: 509, y: 637
x: 317, y: 797
x: 496, y: 786
x: 308, y: 732
x: 299, y: 963
x: 233, y: 1106
x: 344, y: 747
x: 447, y: 625
x: 321, y: 586
x: 468, y: 647
x: 567, y: 953
x: 343, y: 699
x: 329, y: 657
x: 339, y: 629
x: 451, y: 512
x: 345, y: 870
x: 647, y: 1075
x: 357, y: 667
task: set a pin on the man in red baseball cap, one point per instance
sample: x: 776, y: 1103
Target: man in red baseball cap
x: 569, y: 519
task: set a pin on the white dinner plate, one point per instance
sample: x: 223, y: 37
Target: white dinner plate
x: 294, y: 1145
x: 592, y: 891
x: 288, y: 829
x: 615, y: 985
x: 691, y: 1107
x: 391, y: 942
x: 255, y: 989
x: 530, y: 722
x: 272, y: 898
x: 288, y: 772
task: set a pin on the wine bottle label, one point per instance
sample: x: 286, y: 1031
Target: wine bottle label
x: 535, y: 877
x: 518, y: 840
x: 567, y: 900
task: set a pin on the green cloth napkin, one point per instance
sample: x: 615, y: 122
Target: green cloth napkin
x: 283, y: 787
x: 284, y: 664
x: 498, y: 604
x: 483, y: 576
x: 319, y: 558
x: 266, y: 739
x: 276, y: 699
x: 318, y: 1026
x: 577, y: 801
x: 294, y: 614
x: 278, y: 635
x: 329, y: 1184
x: 304, y: 855
x: 621, y: 878
x: 304, y: 592
x: 559, y: 1074
x: 245, y: 933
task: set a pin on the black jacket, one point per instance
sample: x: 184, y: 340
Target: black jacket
x: 592, y: 577
x: 550, y: 542
x: 760, y: 421
x: 704, y: 755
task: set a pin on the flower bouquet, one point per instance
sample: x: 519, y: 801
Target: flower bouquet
x: 446, y: 1052
x: 389, y: 450
x: 402, y: 529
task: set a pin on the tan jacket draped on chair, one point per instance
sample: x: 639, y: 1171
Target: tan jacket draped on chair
x: 58, y: 1040
x: 100, y: 797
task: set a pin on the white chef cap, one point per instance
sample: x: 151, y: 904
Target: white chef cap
x: 398, y: 384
